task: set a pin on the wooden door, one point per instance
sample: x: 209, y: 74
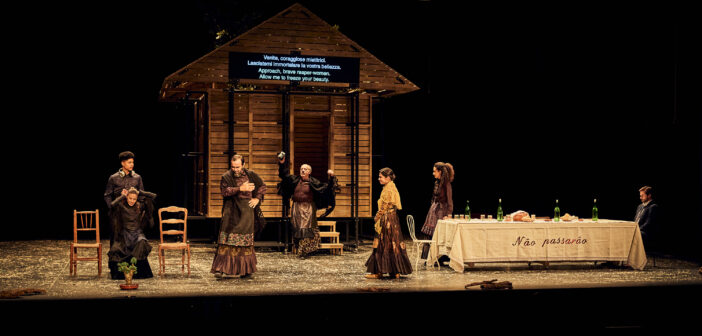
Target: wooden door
x: 311, y: 143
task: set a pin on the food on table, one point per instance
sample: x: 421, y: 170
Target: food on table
x: 521, y: 216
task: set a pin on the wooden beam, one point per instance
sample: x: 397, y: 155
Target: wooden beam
x: 251, y: 158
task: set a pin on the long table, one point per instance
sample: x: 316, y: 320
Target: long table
x: 477, y: 241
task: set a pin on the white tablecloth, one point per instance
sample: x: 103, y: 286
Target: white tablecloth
x: 477, y: 241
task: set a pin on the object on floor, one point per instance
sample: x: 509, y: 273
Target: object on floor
x: 16, y: 293
x: 374, y: 289
x: 491, y: 284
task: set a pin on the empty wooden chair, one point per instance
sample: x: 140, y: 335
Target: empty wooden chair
x: 333, y: 244
x: 85, y: 221
x: 182, y: 245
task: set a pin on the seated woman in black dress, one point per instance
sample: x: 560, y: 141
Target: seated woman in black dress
x: 129, y: 217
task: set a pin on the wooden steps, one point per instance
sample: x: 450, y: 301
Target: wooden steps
x: 333, y: 243
x: 329, y: 234
x: 334, y: 247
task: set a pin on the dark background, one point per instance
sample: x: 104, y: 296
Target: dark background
x: 530, y: 103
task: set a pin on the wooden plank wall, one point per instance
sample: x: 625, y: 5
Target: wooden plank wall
x: 218, y: 161
x: 341, y: 147
x: 258, y: 137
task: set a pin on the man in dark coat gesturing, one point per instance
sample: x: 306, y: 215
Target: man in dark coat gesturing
x: 242, y: 192
x: 308, y: 194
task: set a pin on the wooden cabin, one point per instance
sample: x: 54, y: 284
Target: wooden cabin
x: 324, y: 121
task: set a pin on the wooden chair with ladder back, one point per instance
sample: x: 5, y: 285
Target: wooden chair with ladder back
x: 182, y: 245
x: 85, y: 221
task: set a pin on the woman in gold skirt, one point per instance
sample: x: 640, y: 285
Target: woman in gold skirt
x: 389, y: 251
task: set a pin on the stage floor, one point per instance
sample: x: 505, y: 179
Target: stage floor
x: 328, y: 292
x: 44, y: 265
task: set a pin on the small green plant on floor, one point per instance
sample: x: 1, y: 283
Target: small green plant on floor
x: 128, y: 269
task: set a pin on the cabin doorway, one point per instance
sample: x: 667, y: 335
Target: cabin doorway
x: 311, y: 143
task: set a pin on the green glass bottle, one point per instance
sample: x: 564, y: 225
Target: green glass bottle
x: 500, y: 215
x: 595, y: 212
x: 556, y: 213
x: 467, y: 211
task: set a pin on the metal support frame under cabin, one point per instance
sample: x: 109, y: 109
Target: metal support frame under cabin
x: 286, y: 148
x: 200, y: 130
x: 355, y: 163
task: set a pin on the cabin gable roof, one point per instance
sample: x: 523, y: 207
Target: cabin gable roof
x: 295, y: 29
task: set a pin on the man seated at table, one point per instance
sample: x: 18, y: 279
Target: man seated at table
x: 646, y: 217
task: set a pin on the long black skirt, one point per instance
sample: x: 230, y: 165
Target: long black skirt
x: 389, y: 251
x: 122, y: 251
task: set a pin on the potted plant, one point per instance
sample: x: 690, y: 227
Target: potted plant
x: 129, y: 270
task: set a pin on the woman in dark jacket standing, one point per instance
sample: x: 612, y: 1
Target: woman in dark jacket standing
x: 441, y: 201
